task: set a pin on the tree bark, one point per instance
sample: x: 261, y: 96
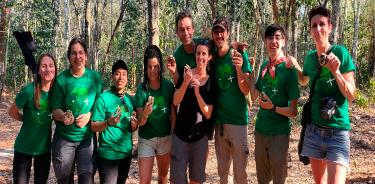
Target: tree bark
x: 213, y: 9
x: 56, y: 30
x: 294, y: 31
x: 275, y: 10
x: 3, y: 44
x: 356, y: 8
x: 153, y: 21
x: 335, y: 19
x: 3, y: 35
x: 342, y: 21
x: 371, y: 51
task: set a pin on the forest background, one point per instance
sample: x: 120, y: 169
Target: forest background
x: 121, y: 29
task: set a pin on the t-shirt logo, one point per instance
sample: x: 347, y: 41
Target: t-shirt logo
x: 326, y: 80
x: 79, y: 99
x: 42, y: 116
x: 225, y: 76
x: 159, y: 108
x: 271, y: 84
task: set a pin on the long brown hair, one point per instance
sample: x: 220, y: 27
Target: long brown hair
x: 38, y: 80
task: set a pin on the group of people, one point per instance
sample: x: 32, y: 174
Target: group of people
x: 175, y: 119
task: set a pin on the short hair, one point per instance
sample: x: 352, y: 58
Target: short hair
x: 272, y: 29
x: 119, y: 64
x: 320, y: 10
x: 182, y: 15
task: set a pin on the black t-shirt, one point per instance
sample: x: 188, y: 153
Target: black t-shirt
x: 191, y: 124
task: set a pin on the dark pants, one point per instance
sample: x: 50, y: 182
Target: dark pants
x: 22, y: 166
x: 113, y: 171
x: 66, y: 154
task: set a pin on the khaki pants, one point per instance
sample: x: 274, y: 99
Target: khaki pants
x: 271, y: 158
x: 231, y: 145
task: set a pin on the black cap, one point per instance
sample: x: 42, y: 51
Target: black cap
x: 220, y: 22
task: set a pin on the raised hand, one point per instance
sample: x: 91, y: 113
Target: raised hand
x: 171, y: 65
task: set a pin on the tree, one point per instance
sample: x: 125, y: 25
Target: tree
x: 3, y: 43
x: 153, y: 21
x: 371, y: 51
x: 119, y: 20
x: 212, y: 4
x: 335, y: 19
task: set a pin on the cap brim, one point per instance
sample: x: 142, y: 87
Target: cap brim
x: 219, y: 26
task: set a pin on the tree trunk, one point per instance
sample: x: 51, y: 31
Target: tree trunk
x: 336, y: 4
x: 153, y: 21
x: 275, y: 10
x: 342, y: 21
x: 85, y: 28
x: 294, y: 31
x: 258, y: 18
x: 119, y: 20
x: 356, y: 8
x: 56, y: 30
x: 67, y: 20
x: 3, y: 35
x: 188, y: 6
x: 213, y: 9
x: 3, y: 44
x: 371, y: 51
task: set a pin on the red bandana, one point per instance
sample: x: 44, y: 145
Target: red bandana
x: 271, y: 66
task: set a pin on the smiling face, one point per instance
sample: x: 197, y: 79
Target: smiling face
x: 153, y: 69
x: 320, y: 28
x: 202, y: 56
x: 47, y: 70
x: 275, y: 43
x: 220, y: 37
x: 185, y: 30
x: 120, y: 78
x: 77, y: 57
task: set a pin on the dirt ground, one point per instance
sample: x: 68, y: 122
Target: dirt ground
x: 362, y: 156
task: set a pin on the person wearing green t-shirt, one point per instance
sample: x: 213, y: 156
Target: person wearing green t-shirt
x: 34, y: 139
x: 184, y: 54
x: 74, y: 94
x: 231, y: 73
x: 114, y: 117
x: 156, y: 115
x: 333, y: 90
x: 277, y: 89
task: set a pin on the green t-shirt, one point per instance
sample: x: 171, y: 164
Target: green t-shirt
x: 231, y: 106
x: 158, y: 122
x: 34, y: 137
x: 281, y: 90
x: 326, y: 86
x: 115, y: 142
x: 77, y: 95
x: 182, y: 58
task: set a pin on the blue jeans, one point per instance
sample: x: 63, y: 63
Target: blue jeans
x: 66, y: 153
x: 22, y: 166
x: 327, y: 144
x: 113, y: 171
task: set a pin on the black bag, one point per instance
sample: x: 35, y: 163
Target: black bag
x: 305, y: 120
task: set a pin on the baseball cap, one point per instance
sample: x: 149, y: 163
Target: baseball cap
x: 220, y: 22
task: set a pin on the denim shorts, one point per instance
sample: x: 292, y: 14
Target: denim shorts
x: 327, y: 144
x: 154, y: 146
